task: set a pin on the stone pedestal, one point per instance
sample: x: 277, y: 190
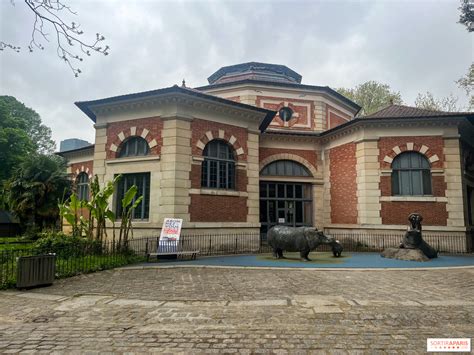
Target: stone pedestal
x: 404, y: 254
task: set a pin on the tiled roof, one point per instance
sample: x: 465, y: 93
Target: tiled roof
x: 272, y: 72
x: 401, y: 111
x: 86, y: 106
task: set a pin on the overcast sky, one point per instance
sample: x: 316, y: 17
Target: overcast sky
x: 414, y: 46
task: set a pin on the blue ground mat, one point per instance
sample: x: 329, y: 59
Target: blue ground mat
x: 322, y: 260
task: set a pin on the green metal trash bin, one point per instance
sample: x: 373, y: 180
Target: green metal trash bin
x: 33, y: 271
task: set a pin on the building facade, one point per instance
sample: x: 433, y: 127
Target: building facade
x: 256, y: 148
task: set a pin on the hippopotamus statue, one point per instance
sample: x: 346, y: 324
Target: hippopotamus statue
x: 302, y: 239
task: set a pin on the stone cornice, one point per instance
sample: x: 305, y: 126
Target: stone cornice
x: 150, y: 102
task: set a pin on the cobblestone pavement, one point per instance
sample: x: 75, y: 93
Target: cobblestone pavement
x: 219, y: 310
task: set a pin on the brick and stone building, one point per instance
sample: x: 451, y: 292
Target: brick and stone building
x: 256, y: 147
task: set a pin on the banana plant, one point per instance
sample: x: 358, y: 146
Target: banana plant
x: 70, y: 210
x: 129, y: 203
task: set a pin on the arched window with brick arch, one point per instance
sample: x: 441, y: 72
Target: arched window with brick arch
x: 133, y: 147
x: 82, y: 186
x: 411, y: 175
x: 218, y: 166
x: 285, y: 168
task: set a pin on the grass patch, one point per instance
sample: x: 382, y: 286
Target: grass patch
x: 316, y: 258
x: 15, y: 246
x: 10, y: 239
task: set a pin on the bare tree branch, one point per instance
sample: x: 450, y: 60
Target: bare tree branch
x: 48, y: 13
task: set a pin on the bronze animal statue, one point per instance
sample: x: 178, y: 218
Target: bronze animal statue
x: 300, y: 239
x: 413, y: 238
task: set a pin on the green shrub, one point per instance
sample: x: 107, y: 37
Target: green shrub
x: 65, y: 246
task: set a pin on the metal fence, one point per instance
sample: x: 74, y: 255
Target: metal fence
x: 73, y: 260
x: 213, y: 244
x: 77, y: 260
x: 360, y: 242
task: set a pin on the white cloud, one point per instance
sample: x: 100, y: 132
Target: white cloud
x: 413, y: 46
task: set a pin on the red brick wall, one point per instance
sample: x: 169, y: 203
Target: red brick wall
x: 434, y: 213
x: 343, y: 184
x: 335, y: 117
x: 200, y: 127
x: 241, y: 178
x: 210, y: 208
x: 309, y: 155
x: 434, y: 143
x: 153, y: 124
x: 78, y: 166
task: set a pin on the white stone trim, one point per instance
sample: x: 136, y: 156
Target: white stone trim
x: 218, y: 192
x: 209, y: 135
x: 87, y: 170
x: 410, y: 146
x: 113, y: 147
x: 200, y: 145
x: 232, y: 140
x: 121, y: 136
x: 133, y: 131
x: 434, y: 158
x: 387, y: 159
x: 82, y: 168
x: 221, y: 134
x: 144, y: 133
x: 153, y: 143
x: 239, y: 151
x: 424, y: 149
x: 413, y: 199
x: 131, y: 160
x: 397, y: 149
x: 77, y: 171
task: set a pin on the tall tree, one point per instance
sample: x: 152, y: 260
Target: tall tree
x: 429, y: 102
x: 467, y: 14
x: 372, y: 96
x: 30, y: 122
x: 467, y: 83
x: 51, y: 18
x: 39, y: 183
x: 21, y: 135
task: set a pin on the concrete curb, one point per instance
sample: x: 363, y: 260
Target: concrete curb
x: 125, y: 268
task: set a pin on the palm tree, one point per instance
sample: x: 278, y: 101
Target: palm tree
x: 34, y: 191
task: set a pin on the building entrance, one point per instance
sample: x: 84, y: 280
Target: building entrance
x: 285, y: 203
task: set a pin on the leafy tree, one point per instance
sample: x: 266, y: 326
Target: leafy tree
x: 37, y: 186
x: 70, y: 47
x: 21, y: 135
x: 28, y: 120
x: 467, y: 83
x: 371, y: 96
x: 429, y: 102
x: 467, y: 14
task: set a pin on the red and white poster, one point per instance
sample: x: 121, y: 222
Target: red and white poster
x: 170, y: 233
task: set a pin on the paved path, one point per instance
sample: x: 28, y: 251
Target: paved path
x: 190, y: 310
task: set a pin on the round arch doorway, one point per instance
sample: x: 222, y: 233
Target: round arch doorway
x: 283, y: 201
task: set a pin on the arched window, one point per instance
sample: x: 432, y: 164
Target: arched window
x: 285, y: 168
x: 82, y: 186
x: 218, y: 167
x: 133, y: 147
x: 411, y: 175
